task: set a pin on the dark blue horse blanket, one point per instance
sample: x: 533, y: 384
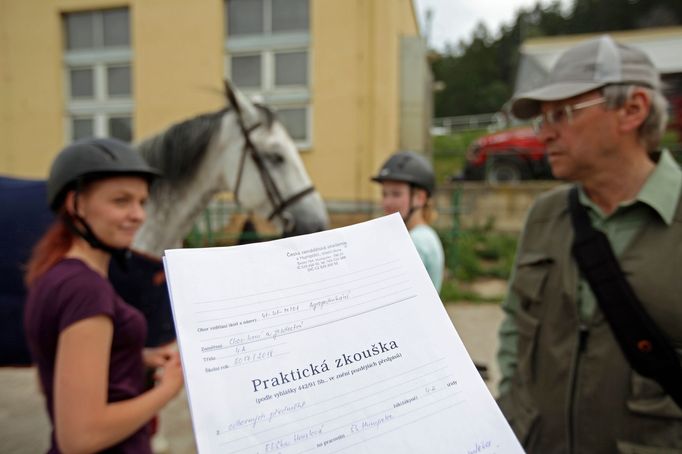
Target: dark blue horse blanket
x: 24, y: 217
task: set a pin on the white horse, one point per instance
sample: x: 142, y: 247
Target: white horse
x: 242, y: 149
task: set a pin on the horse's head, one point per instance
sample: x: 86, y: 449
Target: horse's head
x: 242, y: 149
x: 267, y: 175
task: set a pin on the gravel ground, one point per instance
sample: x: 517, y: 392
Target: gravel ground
x: 24, y: 428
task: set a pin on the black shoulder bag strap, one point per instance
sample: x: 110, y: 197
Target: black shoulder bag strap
x: 645, y: 347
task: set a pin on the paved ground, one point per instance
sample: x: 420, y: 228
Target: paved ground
x: 24, y: 428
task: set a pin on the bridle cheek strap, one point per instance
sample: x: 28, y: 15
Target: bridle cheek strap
x: 278, y: 202
x: 290, y: 201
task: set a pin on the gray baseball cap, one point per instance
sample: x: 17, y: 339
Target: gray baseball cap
x: 585, y: 67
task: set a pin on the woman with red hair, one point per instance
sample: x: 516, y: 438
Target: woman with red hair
x: 86, y: 341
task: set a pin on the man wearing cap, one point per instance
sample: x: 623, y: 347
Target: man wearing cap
x: 566, y: 385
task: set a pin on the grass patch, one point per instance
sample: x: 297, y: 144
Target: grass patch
x: 447, y: 164
x: 457, y: 141
x: 670, y: 140
x: 449, y: 152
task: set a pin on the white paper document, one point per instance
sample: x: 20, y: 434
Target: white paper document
x: 330, y: 342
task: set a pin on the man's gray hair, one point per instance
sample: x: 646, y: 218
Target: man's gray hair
x: 653, y: 127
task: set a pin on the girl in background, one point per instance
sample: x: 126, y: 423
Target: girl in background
x: 407, y: 183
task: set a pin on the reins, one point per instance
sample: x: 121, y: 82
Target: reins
x: 279, y: 203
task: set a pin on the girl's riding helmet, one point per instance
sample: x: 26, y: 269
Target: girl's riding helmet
x: 93, y: 159
x: 408, y: 167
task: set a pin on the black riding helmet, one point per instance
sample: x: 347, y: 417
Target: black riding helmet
x: 92, y: 159
x: 408, y: 167
x: 89, y: 160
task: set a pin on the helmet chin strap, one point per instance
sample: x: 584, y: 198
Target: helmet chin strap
x: 412, y: 208
x: 121, y: 255
x: 410, y: 212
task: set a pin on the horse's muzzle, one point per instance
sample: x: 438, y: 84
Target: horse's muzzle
x: 302, y: 226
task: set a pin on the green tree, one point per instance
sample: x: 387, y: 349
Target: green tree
x: 474, y: 79
x: 478, y: 74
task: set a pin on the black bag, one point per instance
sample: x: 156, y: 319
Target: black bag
x: 645, y: 347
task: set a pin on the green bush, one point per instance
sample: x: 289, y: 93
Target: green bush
x: 457, y: 141
x: 475, y: 253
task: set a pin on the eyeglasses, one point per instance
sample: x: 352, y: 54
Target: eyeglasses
x: 556, y: 116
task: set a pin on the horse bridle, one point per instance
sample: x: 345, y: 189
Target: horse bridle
x: 279, y: 203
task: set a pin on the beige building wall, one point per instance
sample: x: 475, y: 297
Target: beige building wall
x: 355, y: 92
x: 31, y: 87
x: 178, y: 61
x: 177, y: 71
x: 178, y: 65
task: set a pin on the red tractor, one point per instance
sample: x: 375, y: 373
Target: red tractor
x: 507, y: 156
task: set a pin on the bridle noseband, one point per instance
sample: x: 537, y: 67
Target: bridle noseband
x: 279, y: 203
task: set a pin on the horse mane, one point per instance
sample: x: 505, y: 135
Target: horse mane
x: 177, y: 151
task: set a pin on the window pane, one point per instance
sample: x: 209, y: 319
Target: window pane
x: 118, y: 81
x: 295, y: 122
x: 244, y: 17
x: 246, y: 71
x: 121, y: 128
x: 81, y: 128
x: 82, y: 85
x: 291, y: 68
x: 289, y: 15
x: 80, y: 31
x: 116, y: 27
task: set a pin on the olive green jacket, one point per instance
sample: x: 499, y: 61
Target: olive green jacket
x: 572, y: 390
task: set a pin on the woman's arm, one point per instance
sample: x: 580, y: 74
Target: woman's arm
x: 84, y: 420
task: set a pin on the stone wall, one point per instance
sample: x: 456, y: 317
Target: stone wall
x: 475, y: 204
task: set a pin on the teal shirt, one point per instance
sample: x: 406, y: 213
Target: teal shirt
x: 658, y: 197
x: 430, y: 250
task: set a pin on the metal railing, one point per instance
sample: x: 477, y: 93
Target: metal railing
x: 459, y: 205
x: 448, y: 125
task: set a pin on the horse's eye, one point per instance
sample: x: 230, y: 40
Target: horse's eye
x: 274, y: 157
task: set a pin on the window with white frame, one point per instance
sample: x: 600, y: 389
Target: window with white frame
x: 268, y: 55
x: 98, y: 63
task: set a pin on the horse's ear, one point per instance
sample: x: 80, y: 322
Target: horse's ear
x: 240, y: 103
x: 229, y: 93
